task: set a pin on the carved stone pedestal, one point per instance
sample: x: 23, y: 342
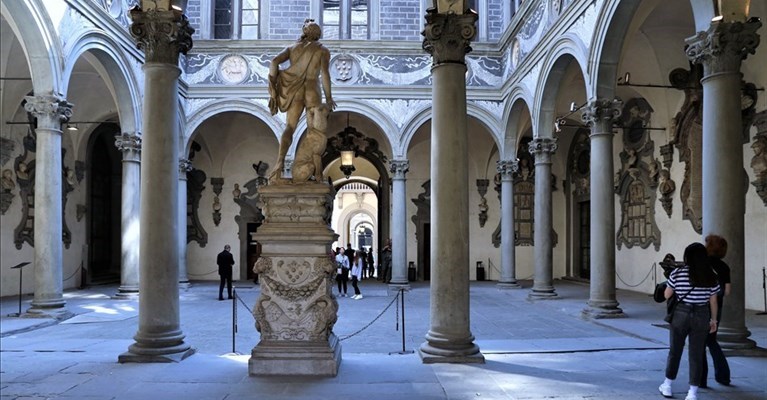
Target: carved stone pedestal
x: 296, y: 310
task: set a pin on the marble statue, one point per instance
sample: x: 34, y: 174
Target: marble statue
x: 759, y: 160
x: 297, y: 87
x: 308, y: 159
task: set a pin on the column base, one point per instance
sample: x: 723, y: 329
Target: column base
x: 58, y: 313
x: 732, y: 339
x: 184, y: 285
x: 126, y: 293
x: 157, y: 348
x: 513, y: 284
x: 543, y: 294
x: 603, y: 311
x: 271, y: 358
x: 394, y: 288
x: 136, y: 354
x: 458, y: 355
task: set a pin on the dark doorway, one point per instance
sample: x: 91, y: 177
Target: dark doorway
x: 584, y: 240
x: 105, y: 204
x: 253, y: 251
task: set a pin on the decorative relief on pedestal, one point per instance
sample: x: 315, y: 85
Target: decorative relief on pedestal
x: 161, y: 34
x: 724, y: 45
x: 637, y: 180
x: 448, y: 36
x: 293, y: 209
x: 296, y: 303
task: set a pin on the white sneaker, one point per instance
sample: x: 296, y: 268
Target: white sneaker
x: 359, y: 296
x: 665, y: 390
x: 354, y: 297
x: 691, y: 396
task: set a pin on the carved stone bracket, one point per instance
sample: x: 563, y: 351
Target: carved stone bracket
x: 667, y: 152
x: 724, y: 45
x: 448, y: 36
x: 130, y: 145
x: 161, y: 34
x: 482, y: 185
x: 195, y: 185
x: 666, y: 187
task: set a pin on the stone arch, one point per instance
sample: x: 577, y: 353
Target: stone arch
x: 225, y: 105
x: 488, y: 120
x: 411, y: 127
x: 346, y: 217
x: 518, y: 103
x: 563, y: 53
x: 42, y: 48
x: 609, y: 38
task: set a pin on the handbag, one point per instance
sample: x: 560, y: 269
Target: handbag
x: 671, y: 305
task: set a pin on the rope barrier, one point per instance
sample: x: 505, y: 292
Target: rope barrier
x: 205, y: 274
x: 652, y: 268
x: 371, y: 322
x: 73, y: 274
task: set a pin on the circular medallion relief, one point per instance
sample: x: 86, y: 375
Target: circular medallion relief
x: 344, y: 69
x: 516, y: 53
x: 233, y: 69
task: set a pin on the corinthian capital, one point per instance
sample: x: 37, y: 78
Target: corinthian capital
x: 602, y: 111
x: 507, y: 168
x: 161, y: 34
x: 130, y: 144
x: 724, y: 45
x: 184, y: 166
x: 399, y: 168
x: 50, y: 111
x: 447, y: 36
x: 543, y: 146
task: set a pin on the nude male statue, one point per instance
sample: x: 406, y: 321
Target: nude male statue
x: 297, y: 87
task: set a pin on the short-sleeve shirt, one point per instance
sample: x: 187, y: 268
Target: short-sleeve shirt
x: 680, y: 282
x: 722, y: 272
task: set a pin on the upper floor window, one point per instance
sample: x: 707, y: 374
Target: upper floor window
x: 345, y: 19
x: 236, y: 19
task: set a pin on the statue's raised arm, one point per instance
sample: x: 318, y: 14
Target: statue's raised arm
x: 297, y: 87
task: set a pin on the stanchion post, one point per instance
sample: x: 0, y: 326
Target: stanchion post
x: 234, y: 319
x: 402, y: 299
x: 19, y: 267
x: 764, y: 290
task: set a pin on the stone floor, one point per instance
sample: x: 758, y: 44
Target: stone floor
x: 533, y: 350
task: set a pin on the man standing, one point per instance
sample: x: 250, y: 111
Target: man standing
x: 225, y: 261
x: 298, y: 86
x: 386, y: 262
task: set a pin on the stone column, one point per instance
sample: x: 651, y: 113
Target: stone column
x: 543, y: 286
x: 162, y: 35
x: 399, y: 226
x: 449, y: 338
x: 130, y: 145
x: 600, y: 116
x: 508, y: 280
x: 184, y: 166
x: 50, y: 112
x: 721, y: 50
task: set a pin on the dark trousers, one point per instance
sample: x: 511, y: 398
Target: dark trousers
x: 721, y: 367
x: 341, y: 279
x: 225, y: 279
x: 693, y: 321
x: 354, y: 285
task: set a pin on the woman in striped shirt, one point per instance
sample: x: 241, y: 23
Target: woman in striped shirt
x: 695, y: 286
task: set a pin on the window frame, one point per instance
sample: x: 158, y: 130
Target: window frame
x: 345, y: 19
x: 236, y: 14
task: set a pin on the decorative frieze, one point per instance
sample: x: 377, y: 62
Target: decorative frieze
x: 724, y: 45
x: 162, y: 35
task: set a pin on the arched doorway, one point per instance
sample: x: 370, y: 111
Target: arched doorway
x: 104, y: 205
